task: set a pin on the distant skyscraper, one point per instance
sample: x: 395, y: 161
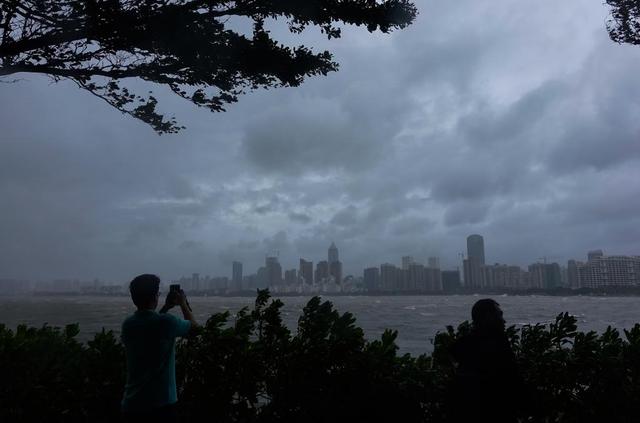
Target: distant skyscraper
x: 475, y: 247
x: 371, y: 278
x: 195, y: 281
x: 389, y: 277
x: 306, y: 271
x: 290, y: 277
x: 322, y: 271
x: 335, y: 266
x: 545, y: 275
x: 237, y: 275
x: 406, y: 262
x: 450, y: 280
x: 594, y: 255
x: 434, y: 262
x: 274, y: 271
x: 333, y: 253
x: 573, y: 275
x: 604, y: 271
x: 335, y: 270
x: 416, y: 277
x: 472, y: 270
x: 262, y: 278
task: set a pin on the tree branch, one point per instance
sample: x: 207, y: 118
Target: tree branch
x: 23, y: 46
x: 70, y: 73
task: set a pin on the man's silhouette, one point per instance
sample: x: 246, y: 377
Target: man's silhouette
x: 149, y: 339
x: 487, y: 385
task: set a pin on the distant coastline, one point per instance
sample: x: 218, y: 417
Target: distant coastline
x: 558, y: 292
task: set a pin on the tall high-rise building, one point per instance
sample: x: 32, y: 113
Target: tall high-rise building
x: 472, y: 266
x: 604, y: 271
x: 389, y: 277
x: 306, y: 271
x: 450, y: 280
x: 333, y: 253
x: 573, y: 275
x: 371, y: 278
x: 434, y: 262
x: 274, y: 271
x: 236, y: 276
x: 322, y: 271
x: 545, y: 275
x: 406, y: 262
x: 262, y: 278
x: 472, y: 270
x: 501, y: 276
x: 290, y: 277
x: 335, y: 266
x: 594, y: 255
x: 335, y: 270
x: 433, y: 279
x: 416, y: 278
x: 195, y: 281
x: 475, y: 247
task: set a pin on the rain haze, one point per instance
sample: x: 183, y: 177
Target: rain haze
x: 514, y: 120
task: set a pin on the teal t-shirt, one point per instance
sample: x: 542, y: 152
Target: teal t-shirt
x: 149, y: 340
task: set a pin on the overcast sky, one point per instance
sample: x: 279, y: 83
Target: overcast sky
x: 515, y: 120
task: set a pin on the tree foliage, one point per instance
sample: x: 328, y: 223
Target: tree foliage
x: 188, y: 46
x: 251, y: 368
x: 624, y: 22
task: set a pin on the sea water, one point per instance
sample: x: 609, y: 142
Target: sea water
x: 416, y: 318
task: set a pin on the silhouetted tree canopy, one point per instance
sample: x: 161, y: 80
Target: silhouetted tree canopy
x: 624, y: 22
x: 182, y: 44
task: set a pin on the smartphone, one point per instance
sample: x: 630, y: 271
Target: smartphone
x: 176, y: 288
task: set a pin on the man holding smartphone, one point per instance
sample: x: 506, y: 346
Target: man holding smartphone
x: 149, y: 338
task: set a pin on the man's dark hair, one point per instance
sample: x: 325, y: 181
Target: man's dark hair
x: 486, y: 314
x: 144, y: 289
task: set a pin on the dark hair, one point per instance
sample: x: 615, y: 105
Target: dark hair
x: 486, y: 314
x: 144, y: 289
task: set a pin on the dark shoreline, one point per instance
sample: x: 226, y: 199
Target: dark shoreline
x: 560, y: 292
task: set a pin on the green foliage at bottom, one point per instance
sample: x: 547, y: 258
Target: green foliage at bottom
x: 250, y: 368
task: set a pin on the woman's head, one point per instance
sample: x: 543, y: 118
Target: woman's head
x: 487, y: 315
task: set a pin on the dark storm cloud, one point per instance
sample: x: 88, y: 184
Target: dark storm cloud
x: 517, y: 121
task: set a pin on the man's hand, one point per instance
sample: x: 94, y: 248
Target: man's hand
x: 181, y: 299
x: 173, y: 299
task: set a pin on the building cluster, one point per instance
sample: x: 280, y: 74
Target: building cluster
x: 59, y: 286
x: 479, y: 275
x: 412, y: 276
x: 197, y: 283
x: 326, y: 277
x: 603, y: 271
x: 599, y: 271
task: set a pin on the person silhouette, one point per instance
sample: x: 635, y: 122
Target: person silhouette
x: 149, y: 339
x: 487, y: 385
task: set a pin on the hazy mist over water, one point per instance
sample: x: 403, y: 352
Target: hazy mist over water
x: 416, y: 318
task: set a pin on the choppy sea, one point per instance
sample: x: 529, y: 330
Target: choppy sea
x: 416, y: 318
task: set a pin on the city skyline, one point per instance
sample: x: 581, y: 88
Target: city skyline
x: 401, y: 261
x: 599, y: 270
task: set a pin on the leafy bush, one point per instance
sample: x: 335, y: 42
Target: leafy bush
x: 251, y: 368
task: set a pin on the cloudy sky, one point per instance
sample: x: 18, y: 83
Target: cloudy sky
x: 515, y: 120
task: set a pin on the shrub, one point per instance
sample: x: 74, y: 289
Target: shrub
x: 251, y: 368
